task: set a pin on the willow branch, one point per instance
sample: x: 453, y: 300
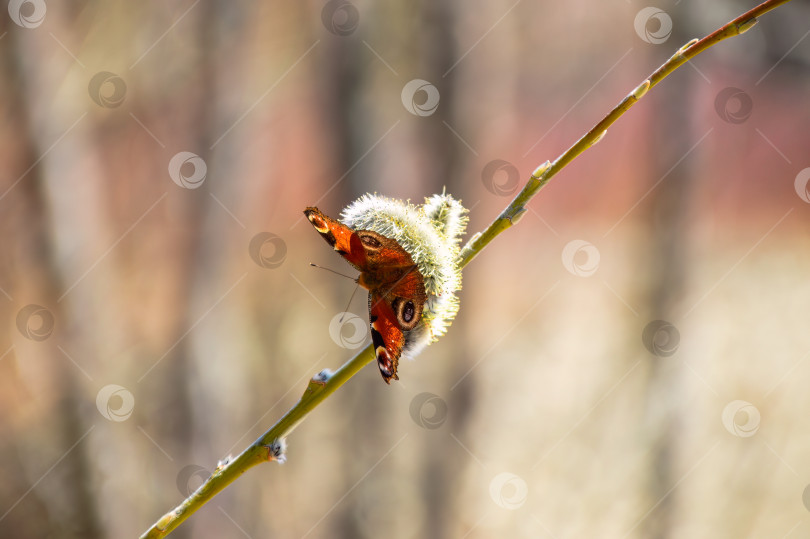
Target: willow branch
x: 270, y: 446
x: 547, y: 170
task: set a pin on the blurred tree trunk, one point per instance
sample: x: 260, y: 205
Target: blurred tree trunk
x: 438, y: 54
x: 441, y: 468
x: 352, y: 131
x: 669, y: 209
x: 63, y: 505
x: 193, y: 278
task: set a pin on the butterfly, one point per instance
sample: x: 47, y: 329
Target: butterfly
x: 396, y: 288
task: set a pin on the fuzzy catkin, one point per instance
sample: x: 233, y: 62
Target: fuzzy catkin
x: 430, y: 233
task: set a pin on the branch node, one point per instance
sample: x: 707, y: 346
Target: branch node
x: 599, y: 137
x: 322, y: 377
x: 513, y: 215
x: 222, y: 464
x: 539, y: 171
x: 641, y: 90
x: 277, y: 450
x: 164, y: 521
x: 318, y: 382
x: 743, y: 27
x: 687, y: 46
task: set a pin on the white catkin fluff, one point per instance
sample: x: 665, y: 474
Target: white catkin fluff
x: 430, y: 234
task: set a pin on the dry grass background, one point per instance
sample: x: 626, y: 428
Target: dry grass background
x: 544, y: 375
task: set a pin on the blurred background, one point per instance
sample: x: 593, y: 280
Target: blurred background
x: 630, y: 361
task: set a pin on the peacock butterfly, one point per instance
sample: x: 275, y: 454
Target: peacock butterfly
x: 396, y: 287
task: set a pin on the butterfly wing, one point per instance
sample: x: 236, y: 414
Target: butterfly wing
x: 395, y: 308
x: 396, y: 288
x: 396, y: 299
x: 386, y: 335
x: 343, y: 239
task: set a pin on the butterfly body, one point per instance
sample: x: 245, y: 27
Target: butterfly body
x: 396, y: 287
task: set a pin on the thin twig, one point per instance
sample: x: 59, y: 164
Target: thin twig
x: 270, y: 444
x: 547, y: 170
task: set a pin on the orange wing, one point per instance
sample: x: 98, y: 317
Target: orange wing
x: 386, y: 336
x: 342, y: 238
x: 392, y: 312
x: 396, y: 288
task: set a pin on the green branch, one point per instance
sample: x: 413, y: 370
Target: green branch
x: 270, y: 446
x: 547, y: 170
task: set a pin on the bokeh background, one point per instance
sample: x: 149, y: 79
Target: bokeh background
x: 630, y: 361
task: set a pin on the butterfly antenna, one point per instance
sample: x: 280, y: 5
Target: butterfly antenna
x: 350, y: 302
x: 333, y: 271
x: 342, y: 275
